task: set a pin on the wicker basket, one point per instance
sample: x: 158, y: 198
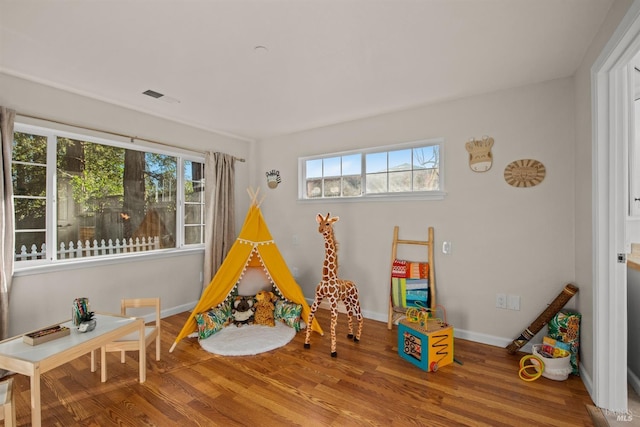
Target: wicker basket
x: 557, y: 368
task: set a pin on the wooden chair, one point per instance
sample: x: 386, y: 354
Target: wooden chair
x: 8, y: 414
x: 396, y: 312
x: 131, y: 342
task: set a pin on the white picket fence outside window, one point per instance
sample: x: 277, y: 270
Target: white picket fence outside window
x: 91, y: 248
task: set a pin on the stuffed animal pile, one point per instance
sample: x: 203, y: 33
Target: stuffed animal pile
x: 265, y: 308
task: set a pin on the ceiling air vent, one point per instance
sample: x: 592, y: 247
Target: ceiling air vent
x: 153, y: 93
x: 161, y: 96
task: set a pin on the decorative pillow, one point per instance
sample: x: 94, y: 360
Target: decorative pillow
x: 213, y: 320
x: 289, y: 313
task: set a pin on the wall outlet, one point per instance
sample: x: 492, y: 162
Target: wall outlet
x: 501, y: 301
x: 513, y: 302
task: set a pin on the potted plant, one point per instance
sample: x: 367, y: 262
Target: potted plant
x: 87, y: 322
x: 81, y: 316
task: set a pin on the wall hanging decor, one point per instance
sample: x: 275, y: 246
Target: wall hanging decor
x: 524, y: 173
x: 480, y: 157
x: 273, y: 178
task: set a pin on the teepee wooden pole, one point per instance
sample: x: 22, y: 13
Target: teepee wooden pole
x: 254, y: 196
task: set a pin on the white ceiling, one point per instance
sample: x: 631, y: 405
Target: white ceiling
x: 328, y: 61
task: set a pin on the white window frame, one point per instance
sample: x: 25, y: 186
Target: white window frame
x: 634, y: 145
x: 399, y: 196
x: 185, y: 204
x: 50, y: 262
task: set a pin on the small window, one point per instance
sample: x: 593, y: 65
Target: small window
x: 406, y: 170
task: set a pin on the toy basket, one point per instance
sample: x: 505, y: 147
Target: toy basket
x: 557, y: 368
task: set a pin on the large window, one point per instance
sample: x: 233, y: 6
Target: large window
x: 78, y: 197
x: 413, y: 170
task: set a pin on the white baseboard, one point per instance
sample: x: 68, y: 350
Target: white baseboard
x: 325, y: 306
x: 492, y: 340
x: 458, y: 333
x: 178, y: 309
x: 633, y: 380
x: 586, y: 380
x: 383, y: 317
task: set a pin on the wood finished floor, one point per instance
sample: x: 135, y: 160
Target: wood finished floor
x: 367, y: 384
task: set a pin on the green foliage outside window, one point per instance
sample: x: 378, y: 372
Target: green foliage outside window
x: 104, y: 193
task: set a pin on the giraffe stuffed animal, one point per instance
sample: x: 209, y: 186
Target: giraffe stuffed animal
x: 333, y: 288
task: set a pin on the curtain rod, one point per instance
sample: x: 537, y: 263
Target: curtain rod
x: 131, y: 138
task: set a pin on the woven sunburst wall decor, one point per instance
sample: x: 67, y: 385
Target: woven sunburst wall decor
x: 524, y: 173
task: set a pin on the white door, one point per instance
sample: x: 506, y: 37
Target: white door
x: 612, y: 128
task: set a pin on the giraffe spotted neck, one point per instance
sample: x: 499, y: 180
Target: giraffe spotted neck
x: 330, y: 265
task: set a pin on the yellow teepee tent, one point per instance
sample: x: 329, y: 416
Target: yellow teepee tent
x: 253, y: 242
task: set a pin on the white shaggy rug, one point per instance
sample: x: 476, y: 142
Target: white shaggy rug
x: 248, y: 339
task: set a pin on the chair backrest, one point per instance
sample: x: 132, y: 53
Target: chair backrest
x: 131, y: 303
x: 6, y: 389
x: 7, y: 406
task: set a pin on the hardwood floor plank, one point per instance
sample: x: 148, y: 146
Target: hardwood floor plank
x: 368, y: 384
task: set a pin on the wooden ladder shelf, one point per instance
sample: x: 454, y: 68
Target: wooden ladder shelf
x: 396, y: 312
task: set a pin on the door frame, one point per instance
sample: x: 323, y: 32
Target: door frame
x: 611, y: 102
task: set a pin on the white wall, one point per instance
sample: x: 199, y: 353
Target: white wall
x: 45, y: 298
x: 505, y: 240
x: 42, y: 299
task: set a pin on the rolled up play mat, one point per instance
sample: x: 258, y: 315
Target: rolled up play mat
x: 535, y: 327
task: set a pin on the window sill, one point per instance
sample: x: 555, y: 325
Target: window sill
x: 435, y: 195
x: 101, y: 261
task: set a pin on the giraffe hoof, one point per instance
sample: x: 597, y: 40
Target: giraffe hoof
x: 334, y: 354
x: 350, y: 336
x: 307, y: 345
x: 356, y: 339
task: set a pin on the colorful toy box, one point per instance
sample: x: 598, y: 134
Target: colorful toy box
x: 428, y: 346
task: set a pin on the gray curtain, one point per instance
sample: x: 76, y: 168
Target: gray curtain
x: 7, y: 118
x: 220, y: 212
